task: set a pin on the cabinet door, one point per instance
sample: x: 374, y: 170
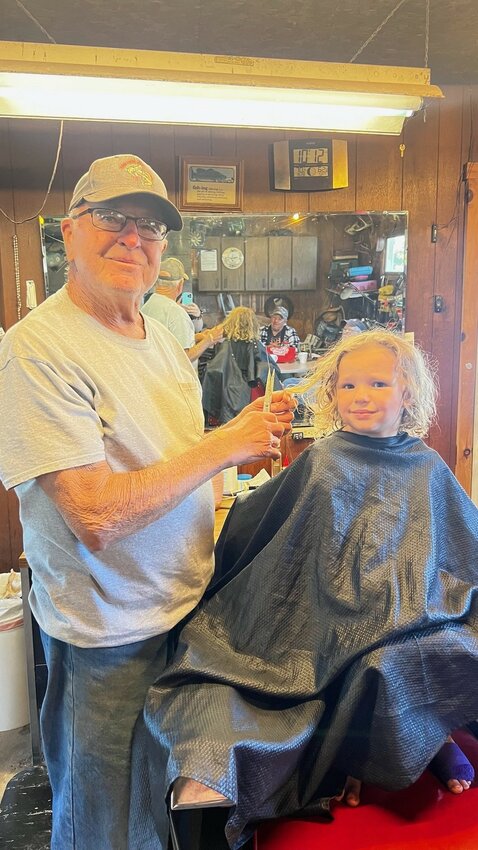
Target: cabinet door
x: 209, y: 265
x: 232, y: 264
x: 257, y: 263
x: 280, y: 262
x: 304, y: 262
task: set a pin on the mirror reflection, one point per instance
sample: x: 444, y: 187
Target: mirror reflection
x: 353, y: 262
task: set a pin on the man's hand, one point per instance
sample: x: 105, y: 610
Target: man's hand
x: 192, y: 310
x: 283, y: 405
x: 211, y: 335
x: 251, y: 436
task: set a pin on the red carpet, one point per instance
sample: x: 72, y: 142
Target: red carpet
x: 423, y: 817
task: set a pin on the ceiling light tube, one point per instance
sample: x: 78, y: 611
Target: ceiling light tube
x: 151, y: 87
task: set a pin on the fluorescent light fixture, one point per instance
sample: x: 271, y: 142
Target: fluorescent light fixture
x: 103, y: 84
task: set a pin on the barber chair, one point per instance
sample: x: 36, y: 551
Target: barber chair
x: 423, y: 817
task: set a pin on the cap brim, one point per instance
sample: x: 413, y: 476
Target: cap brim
x: 167, y: 276
x: 167, y: 211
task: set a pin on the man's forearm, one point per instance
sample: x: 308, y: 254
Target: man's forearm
x: 101, y: 506
x: 206, y: 341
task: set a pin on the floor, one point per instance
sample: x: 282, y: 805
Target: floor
x: 25, y: 807
x: 15, y: 754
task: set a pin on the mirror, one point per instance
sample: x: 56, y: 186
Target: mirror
x: 325, y: 267
x: 55, y: 264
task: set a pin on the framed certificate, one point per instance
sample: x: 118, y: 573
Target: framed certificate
x: 210, y: 183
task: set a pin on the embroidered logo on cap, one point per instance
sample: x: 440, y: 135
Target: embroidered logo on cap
x: 135, y: 169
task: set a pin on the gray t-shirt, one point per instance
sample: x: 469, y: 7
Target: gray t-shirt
x: 172, y: 316
x: 73, y: 392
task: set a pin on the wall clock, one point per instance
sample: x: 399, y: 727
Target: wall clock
x: 232, y: 258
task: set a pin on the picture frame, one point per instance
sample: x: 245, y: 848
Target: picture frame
x: 210, y: 183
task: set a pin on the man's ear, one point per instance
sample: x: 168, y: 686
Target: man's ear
x: 67, y: 233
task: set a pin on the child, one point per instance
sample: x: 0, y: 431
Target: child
x: 240, y: 364
x: 340, y: 633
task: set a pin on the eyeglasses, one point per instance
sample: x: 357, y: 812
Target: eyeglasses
x: 114, y: 221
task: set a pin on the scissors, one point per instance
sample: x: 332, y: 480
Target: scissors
x: 276, y: 463
x: 269, y: 390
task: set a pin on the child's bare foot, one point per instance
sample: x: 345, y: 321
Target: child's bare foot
x: 352, y: 789
x: 452, y: 767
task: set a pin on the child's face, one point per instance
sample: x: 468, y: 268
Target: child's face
x: 370, y: 392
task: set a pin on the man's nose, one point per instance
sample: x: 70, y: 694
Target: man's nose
x: 129, y: 235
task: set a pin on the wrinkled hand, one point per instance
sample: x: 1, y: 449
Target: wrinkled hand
x: 215, y: 334
x: 251, y: 436
x: 192, y: 310
x: 283, y: 405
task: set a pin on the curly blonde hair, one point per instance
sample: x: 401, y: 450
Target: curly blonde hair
x: 415, y: 368
x: 241, y: 323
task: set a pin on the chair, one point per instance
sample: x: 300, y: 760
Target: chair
x: 423, y: 817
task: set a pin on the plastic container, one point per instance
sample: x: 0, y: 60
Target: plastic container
x: 243, y: 481
x: 360, y: 271
x: 13, y: 666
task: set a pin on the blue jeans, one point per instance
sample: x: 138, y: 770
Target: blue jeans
x: 91, y: 704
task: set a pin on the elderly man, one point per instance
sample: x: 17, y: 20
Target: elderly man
x: 101, y: 435
x: 279, y: 332
x: 163, y: 306
x: 176, y: 271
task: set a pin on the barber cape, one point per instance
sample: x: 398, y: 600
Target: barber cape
x: 237, y: 366
x: 339, y: 636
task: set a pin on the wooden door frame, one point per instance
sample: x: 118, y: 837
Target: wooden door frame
x: 465, y: 426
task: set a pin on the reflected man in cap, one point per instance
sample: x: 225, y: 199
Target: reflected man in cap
x: 102, y: 438
x: 279, y: 332
x: 163, y: 307
x: 175, y: 268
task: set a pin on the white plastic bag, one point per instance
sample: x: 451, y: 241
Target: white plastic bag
x: 11, y: 611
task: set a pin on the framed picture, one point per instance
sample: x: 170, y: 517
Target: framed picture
x: 210, y: 183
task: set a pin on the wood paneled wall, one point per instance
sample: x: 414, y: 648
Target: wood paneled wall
x: 426, y: 181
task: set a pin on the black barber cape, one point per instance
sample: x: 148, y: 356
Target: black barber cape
x: 236, y: 366
x: 339, y: 636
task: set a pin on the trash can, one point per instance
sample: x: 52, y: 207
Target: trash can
x: 13, y: 667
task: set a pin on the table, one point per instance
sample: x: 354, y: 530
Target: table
x: 296, y: 369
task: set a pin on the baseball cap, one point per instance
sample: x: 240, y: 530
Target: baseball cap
x: 121, y: 175
x: 280, y: 311
x: 172, y: 269
x: 354, y: 326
